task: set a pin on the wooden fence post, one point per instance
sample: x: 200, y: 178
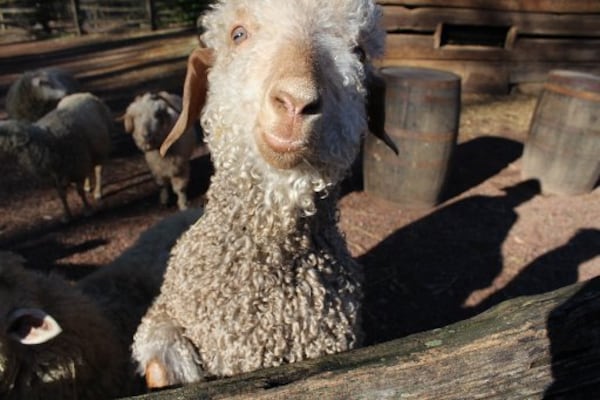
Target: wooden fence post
x: 150, y: 10
x: 75, y: 13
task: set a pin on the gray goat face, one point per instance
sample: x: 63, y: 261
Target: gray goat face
x: 48, y: 86
x: 149, y: 118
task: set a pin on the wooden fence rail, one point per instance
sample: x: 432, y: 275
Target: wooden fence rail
x: 539, y: 347
x: 53, y: 17
x: 495, y: 46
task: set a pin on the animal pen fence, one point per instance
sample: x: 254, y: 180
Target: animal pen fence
x: 494, y: 45
x: 51, y: 17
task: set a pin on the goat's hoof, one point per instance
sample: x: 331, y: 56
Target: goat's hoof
x: 156, y: 375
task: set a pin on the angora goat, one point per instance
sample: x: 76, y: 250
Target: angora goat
x: 265, y: 277
x: 149, y: 118
x: 60, y: 341
x: 37, y: 92
x: 67, y: 145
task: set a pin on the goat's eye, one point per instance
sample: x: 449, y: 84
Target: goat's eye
x: 360, y: 53
x: 239, y: 34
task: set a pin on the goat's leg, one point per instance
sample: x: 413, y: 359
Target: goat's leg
x: 179, y: 185
x: 94, y: 181
x: 87, y: 209
x: 62, y: 194
x: 98, y: 182
x: 165, y: 356
x: 164, y: 190
x: 88, y: 184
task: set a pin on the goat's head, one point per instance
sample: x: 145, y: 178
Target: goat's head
x: 47, y: 84
x: 14, y: 135
x: 150, y: 117
x: 287, y: 83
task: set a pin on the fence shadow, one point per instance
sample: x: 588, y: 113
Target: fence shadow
x: 419, y: 277
x: 477, y: 160
x: 551, y: 271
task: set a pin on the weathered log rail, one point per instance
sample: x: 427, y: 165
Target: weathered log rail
x: 540, y: 347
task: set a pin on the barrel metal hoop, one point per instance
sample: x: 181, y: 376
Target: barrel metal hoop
x: 580, y: 94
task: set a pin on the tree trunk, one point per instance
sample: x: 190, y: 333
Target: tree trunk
x: 545, y: 346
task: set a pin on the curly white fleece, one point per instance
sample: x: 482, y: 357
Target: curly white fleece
x: 265, y: 276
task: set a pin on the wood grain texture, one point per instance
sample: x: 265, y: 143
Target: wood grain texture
x: 544, y: 346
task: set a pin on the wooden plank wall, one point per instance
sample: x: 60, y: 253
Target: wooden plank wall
x: 541, y: 35
x: 106, y: 15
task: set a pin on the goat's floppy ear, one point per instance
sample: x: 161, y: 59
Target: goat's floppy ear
x: 376, y: 110
x: 31, y: 326
x: 194, y: 94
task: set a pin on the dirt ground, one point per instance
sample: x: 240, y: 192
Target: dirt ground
x: 493, y: 238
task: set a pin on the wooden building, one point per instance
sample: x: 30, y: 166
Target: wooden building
x: 494, y: 45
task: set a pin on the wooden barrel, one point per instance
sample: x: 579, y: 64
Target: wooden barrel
x: 562, y: 149
x: 422, y: 109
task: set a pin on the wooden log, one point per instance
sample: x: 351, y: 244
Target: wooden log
x: 544, y: 346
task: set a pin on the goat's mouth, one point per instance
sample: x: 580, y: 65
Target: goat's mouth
x: 280, y: 151
x: 284, y: 139
x: 283, y: 144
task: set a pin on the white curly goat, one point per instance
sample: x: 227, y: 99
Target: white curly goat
x: 265, y: 277
x: 37, y: 92
x: 60, y: 341
x: 150, y: 118
x: 67, y: 145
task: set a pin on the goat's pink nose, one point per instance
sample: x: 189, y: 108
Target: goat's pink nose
x: 293, y: 109
x: 295, y: 103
